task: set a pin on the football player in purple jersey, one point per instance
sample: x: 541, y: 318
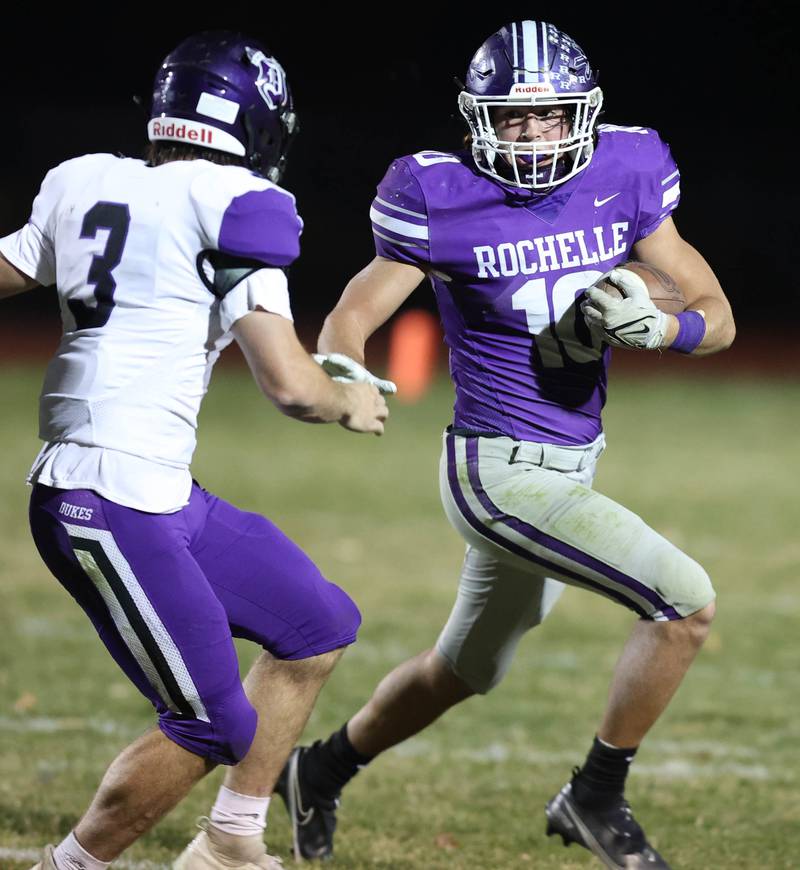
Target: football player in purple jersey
x: 158, y: 266
x: 511, y: 233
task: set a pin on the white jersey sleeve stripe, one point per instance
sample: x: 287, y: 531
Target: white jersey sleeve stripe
x: 395, y: 225
x: 398, y: 242
x: 670, y: 177
x: 407, y: 211
x: 670, y: 195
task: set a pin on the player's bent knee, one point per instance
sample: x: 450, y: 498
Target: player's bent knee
x: 701, y: 594
x: 705, y: 616
x: 484, y: 686
x: 480, y: 680
x: 344, y: 617
x: 225, y: 738
x: 331, y: 623
x: 478, y: 666
x: 326, y: 662
x: 312, y: 668
x: 698, y: 625
x: 682, y: 582
x: 442, y: 679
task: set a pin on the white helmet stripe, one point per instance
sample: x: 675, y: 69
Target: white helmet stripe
x: 516, y: 55
x: 530, y: 49
x: 545, y: 54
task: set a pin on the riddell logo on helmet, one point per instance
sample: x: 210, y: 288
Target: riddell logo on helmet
x: 181, y: 131
x: 519, y: 89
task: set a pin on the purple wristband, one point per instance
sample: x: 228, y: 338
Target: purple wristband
x: 691, y: 329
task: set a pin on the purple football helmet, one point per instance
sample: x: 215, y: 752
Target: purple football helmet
x: 531, y: 64
x: 223, y: 91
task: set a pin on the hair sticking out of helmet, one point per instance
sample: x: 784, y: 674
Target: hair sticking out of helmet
x: 531, y: 68
x: 222, y: 91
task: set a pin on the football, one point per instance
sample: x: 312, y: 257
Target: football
x: 664, y: 292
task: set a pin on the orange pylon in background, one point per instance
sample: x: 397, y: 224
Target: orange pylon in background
x: 413, y: 350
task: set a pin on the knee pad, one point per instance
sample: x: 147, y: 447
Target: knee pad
x: 702, y: 591
x: 683, y: 582
x: 343, y: 616
x: 329, y: 621
x: 224, y: 738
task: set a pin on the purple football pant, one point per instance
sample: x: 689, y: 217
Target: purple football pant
x: 168, y: 592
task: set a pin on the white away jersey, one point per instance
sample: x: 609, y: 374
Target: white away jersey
x: 153, y: 265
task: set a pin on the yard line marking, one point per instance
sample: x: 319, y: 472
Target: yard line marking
x: 674, y: 768
x: 704, y: 747
x: 680, y: 768
x: 49, y: 725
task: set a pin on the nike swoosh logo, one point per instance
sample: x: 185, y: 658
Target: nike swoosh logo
x: 644, y: 328
x: 614, y: 332
x: 599, y: 202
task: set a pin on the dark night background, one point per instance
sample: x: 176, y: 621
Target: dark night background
x: 716, y: 81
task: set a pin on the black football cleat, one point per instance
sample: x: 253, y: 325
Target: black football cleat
x: 313, y: 818
x: 613, y: 835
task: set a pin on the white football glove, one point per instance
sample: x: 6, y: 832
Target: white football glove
x: 633, y: 321
x: 348, y: 371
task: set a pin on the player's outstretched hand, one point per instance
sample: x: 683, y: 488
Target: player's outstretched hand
x: 341, y: 368
x: 632, y: 321
x: 367, y: 409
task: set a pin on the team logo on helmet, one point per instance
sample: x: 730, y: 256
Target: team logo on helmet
x: 271, y: 81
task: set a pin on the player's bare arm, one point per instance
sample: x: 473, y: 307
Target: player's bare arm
x: 667, y: 250
x: 13, y: 280
x: 368, y: 301
x: 296, y: 385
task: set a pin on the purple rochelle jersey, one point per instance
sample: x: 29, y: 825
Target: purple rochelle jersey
x: 508, y: 267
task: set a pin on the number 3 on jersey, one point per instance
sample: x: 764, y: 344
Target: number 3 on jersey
x: 114, y: 217
x: 561, y: 335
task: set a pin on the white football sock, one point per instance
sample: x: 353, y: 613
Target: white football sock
x: 70, y: 855
x: 239, y: 814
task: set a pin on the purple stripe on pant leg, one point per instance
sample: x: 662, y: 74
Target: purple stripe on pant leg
x: 551, y: 543
x: 486, y: 532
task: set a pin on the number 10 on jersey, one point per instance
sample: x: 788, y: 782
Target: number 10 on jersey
x: 562, y: 338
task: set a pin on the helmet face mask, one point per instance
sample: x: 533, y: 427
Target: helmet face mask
x: 535, y: 67
x: 225, y: 92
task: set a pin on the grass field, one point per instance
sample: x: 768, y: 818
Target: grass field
x: 711, y: 464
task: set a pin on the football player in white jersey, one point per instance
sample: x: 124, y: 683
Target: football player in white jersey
x: 158, y: 266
